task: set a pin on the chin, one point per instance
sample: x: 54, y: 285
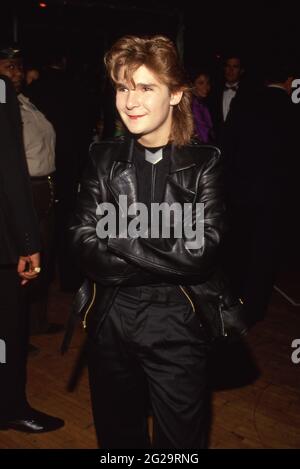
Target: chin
x: 135, y: 129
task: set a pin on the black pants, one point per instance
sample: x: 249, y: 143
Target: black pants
x: 253, y: 255
x: 151, y: 353
x: 14, y: 333
x: 36, y: 293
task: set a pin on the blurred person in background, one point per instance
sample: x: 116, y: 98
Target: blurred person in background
x: 39, y: 144
x: 202, y: 117
x: 19, y: 264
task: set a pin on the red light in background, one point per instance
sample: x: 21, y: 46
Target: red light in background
x: 42, y: 5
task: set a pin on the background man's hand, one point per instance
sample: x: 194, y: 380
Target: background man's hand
x: 26, y: 266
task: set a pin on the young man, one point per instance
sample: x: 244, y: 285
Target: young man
x: 233, y: 72
x: 227, y: 98
x: 147, y: 346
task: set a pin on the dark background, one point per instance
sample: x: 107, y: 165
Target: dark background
x: 84, y: 29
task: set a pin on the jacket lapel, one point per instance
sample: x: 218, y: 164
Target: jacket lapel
x: 181, y: 158
x: 122, y: 179
x: 175, y: 192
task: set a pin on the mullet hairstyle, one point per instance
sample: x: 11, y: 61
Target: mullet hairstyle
x: 160, y: 56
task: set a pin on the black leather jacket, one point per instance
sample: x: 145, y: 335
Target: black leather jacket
x: 113, y: 262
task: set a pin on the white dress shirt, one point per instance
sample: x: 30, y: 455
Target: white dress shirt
x: 39, y: 139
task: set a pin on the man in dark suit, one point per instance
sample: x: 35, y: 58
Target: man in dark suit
x: 225, y: 102
x: 19, y: 263
x: 259, y: 156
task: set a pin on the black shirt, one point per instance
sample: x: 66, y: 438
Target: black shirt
x: 151, y: 182
x: 151, y: 178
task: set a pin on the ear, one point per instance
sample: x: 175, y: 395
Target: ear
x: 176, y: 97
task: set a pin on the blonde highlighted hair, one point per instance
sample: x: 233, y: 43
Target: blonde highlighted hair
x: 160, y: 56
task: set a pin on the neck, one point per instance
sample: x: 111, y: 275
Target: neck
x: 152, y: 143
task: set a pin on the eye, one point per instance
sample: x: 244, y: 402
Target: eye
x: 147, y: 88
x: 122, y: 89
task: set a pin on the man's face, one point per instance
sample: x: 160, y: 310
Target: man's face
x: 13, y: 69
x: 146, y: 106
x: 233, y: 70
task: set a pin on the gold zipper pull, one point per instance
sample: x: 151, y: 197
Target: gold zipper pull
x: 188, y: 297
x: 89, y: 307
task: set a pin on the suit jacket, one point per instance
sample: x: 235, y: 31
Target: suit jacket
x: 242, y: 96
x: 259, y: 150
x: 19, y: 233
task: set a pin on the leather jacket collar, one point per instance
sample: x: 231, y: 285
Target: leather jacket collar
x: 123, y: 180
x: 180, y: 159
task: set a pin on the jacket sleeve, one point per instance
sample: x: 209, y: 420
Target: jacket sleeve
x: 172, y: 258
x: 16, y: 203
x: 92, y: 254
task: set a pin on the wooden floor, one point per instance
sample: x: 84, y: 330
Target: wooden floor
x: 256, y: 403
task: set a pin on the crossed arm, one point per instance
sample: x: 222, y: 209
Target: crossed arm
x: 117, y: 260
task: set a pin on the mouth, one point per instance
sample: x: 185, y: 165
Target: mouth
x: 135, y: 117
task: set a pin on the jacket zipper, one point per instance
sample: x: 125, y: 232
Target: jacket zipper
x: 221, y: 318
x: 89, y: 307
x: 153, y: 183
x: 188, y: 297
x: 152, y: 199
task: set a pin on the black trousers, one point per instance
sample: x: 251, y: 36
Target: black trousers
x: 151, y: 354
x: 14, y: 333
x: 36, y: 293
x: 253, y: 255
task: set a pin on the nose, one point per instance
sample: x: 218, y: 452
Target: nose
x: 132, y: 99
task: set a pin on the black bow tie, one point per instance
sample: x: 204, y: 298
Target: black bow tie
x: 233, y: 88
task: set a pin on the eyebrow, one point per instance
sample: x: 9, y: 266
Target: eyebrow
x: 140, y: 85
x: 146, y: 84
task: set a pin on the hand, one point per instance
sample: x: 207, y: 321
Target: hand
x: 31, y: 262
